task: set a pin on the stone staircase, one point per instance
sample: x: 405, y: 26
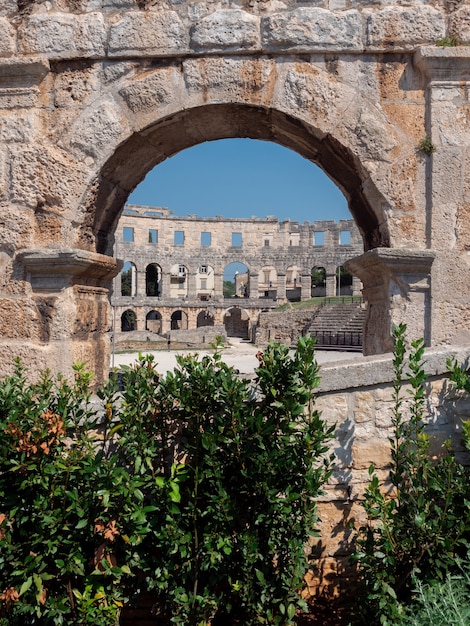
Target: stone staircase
x: 338, y: 325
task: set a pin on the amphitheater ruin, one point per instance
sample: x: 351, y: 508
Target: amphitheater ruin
x: 95, y: 93
x: 174, y: 269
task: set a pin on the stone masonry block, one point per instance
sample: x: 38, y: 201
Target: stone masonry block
x: 313, y: 29
x: 152, y: 91
x: 375, y: 451
x: 226, y: 29
x: 63, y: 36
x: 7, y: 39
x: 99, y: 130
x: 148, y: 34
x: 404, y: 27
x: 459, y: 24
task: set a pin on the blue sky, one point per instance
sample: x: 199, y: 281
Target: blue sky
x: 242, y: 178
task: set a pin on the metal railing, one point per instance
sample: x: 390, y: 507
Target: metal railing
x: 345, y: 339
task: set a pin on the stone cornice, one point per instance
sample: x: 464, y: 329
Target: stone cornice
x: 444, y: 64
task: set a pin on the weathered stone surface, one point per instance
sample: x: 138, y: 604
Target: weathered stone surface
x: 226, y: 30
x: 148, y: 34
x: 8, y: 7
x: 75, y: 85
x: 459, y: 24
x: 230, y: 77
x: 404, y: 27
x: 63, y: 35
x: 96, y: 132
x: 152, y: 91
x: 7, y: 39
x: 18, y: 127
x: 312, y: 28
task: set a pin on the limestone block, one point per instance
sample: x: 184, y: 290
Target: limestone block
x: 18, y: 126
x: 153, y: 91
x: 7, y: 39
x: 29, y: 353
x: 63, y: 35
x: 19, y: 320
x: 364, y: 406
x: 148, y: 34
x: 306, y: 90
x: 230, y: 77
x: 376, y: 451
x: 404, y: 27
x: 100, y: 129
x: 226, y: 29
x: 451, y: 111
x: 8, y: 6
x: 44, y: 178
x: 75, y: 85
x: 459, y: 24
x: 313, y: 29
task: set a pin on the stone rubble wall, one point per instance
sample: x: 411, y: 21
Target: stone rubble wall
x: 283, y: 326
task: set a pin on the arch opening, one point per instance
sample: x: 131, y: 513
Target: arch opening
x: 173, y: 134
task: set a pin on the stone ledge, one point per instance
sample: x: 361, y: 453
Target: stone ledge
x: 440, y: 63
x: 51, y: 269
x: 378, y: 369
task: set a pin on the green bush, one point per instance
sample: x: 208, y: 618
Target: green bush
x: 417, y: 530
x: 443, y: 602
x: 199, y: 486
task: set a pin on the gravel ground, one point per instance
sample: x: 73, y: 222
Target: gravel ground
x: 240, y: 354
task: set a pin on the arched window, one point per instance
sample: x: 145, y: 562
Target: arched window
x: 318, y: 281
x: 153, y: 322
x: 179, y: 320
x: 204, y: 318
x: 128, y: 321
x: 153, y: 280
x: 128, y: 279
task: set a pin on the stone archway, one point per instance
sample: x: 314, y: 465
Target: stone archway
x: 88, y: 114
x: 237, y: 323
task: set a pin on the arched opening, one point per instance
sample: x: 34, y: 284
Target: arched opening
x: 344, y: 282
x: 204, y: 318
x: 237, y: 323
x: 128, y: 321
x: 267, y: 282
x: 231, y: 120
x: 179, y: 320
x: 318, y: 276
x: 293, y: 283
x: 236, y: 280
x: 179, y: 281
x: 153, y: 280
x: 153, y: 322
x: 128, y: 279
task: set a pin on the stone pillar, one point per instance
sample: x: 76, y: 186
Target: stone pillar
x: 165, y: 284
x: 253, y: 285
x: 218, y: 286
x: 141, y: 286
x: 306, y: 286
x: 69, y: 289
x: 396, y: 289
x: 281, y: 286
x: 192, y: 285
x: 330, y: 282
x: 447, y: 162
x: 356, y: 286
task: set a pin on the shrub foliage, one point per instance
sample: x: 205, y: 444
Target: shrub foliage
x: 198, y: 485
x: 421, y: 522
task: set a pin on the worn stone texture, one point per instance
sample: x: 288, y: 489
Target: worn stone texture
x: 226, y: 29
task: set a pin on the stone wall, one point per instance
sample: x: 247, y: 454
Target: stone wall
x: 356, y: 397
x: 94, y: 93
